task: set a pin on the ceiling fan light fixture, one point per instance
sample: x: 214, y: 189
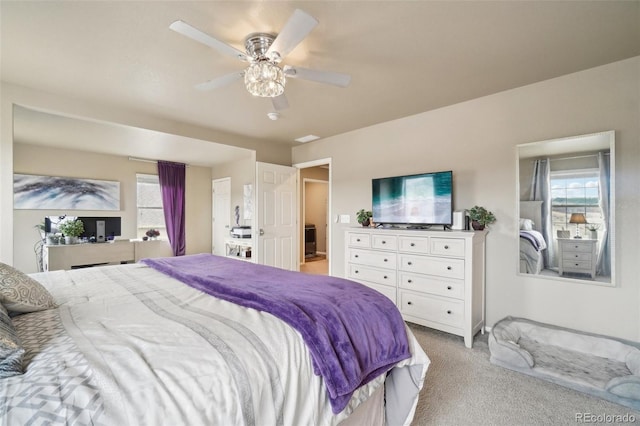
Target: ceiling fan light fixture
x: 264, y: 79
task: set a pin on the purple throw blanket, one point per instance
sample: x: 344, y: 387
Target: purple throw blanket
x: 353, y: 333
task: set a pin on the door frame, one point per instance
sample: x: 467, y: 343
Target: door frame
x: 314, y: 163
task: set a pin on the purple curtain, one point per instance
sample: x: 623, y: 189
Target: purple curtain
x: 172, y: 186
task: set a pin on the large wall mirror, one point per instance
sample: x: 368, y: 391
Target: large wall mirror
x: 566, y: 208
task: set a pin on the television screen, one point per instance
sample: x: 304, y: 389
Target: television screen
x: 423, y: 199
x: 112, y: 227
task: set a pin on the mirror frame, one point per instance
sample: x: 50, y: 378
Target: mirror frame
x: 573, y: 144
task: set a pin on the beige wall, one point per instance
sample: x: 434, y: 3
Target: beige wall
x: 37, y: 160
x: 477, y: 140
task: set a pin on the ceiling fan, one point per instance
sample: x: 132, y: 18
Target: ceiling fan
x: 264, y: 77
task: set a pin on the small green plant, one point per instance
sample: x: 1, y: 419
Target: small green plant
x: 72, y: 228
x: 364, y: 217
x: 593, y: 226
x: 481, y: 215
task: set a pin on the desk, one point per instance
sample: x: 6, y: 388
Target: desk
x: 57, y: 257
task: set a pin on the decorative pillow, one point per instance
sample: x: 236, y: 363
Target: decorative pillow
x: 11, y: 351
x: 526, y: 224
x: 21, y: 293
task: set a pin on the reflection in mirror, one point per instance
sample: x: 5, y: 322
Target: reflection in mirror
x: 566, y: 208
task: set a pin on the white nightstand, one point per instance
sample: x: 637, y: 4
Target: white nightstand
x: 578, y: 256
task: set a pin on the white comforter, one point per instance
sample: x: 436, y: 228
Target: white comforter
x: 131, y: 346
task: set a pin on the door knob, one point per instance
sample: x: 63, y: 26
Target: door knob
x: 261, y: 231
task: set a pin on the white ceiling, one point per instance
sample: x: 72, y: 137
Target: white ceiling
x: 405, y: 57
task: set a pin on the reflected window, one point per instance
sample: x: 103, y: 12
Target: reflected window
x: 575, y: 191
x: 149, y: 203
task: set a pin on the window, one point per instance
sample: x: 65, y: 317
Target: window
x: 575, y: 191
x: 149, y: 203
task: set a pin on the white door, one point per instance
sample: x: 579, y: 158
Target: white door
x: 276, y: 236
x: 221, y: 220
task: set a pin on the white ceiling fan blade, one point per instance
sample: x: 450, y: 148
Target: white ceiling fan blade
x: 328, y: 77
x: 187, y: 30
x: 294, y: 31
x: 280, y: 102
x: 220, y: 81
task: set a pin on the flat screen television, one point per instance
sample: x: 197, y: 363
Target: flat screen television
x: 418, y: 200
x: 112, y: 226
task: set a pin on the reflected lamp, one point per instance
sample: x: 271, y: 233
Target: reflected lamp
x: 578, y: 219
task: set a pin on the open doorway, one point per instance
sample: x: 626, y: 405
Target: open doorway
x: 315, y: 226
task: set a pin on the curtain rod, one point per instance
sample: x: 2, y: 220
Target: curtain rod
x: 572, y: 158
x: 147, y: 160
x: 144, y: 160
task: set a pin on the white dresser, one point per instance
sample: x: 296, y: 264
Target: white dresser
x: 578, y: 256
x: 436, y: 278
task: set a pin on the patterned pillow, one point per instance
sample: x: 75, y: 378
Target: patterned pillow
x: 21, y: 293
x: 11, y: 351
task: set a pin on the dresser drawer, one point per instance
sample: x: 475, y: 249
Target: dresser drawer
x: 379, y: 259
x: 359, y: 239
x: 447, y: 247
x: 439, y: 266
x: 413, y: 244
x: 579, y: 247
x: 577, y: 265
x: 384, y: 242
x: 374, y: 275
x: 576, y: 255
x: 390, y: 292
x: 432, y: 308
x: 433, y: 285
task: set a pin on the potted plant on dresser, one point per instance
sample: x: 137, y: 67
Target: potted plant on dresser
x: 364, y: 217
x: 71, y: 230
x: 480, y: 217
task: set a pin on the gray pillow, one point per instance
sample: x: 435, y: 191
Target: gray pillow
x: 21, y: 293
x: 11, y: 351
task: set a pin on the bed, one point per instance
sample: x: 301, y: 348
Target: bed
x: 532, y: 242
x: 134, y: 344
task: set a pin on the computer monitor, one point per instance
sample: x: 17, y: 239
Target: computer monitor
x: 101, y: 229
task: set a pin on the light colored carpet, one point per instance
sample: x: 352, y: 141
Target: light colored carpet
x: 463, y: 388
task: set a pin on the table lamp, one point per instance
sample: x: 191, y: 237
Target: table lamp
x: 577, y: 218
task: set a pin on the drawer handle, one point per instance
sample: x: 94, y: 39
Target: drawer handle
x: 358, y: 240
x: 577, y: 264
x: 409, y: 263
x: 384, y: 242
x: 576, y: 256
x: 409, y: 303
x: 449, y: 287
x: 385, y: 277
x: 448, y: 268
x: 409, y: 281
x: 577, y: 246
x: 449, y: 312
x: 385, y: 260
x: 412, y: 244
x: 446, y: 247
x: 357, y: 271
x: 356, y: 256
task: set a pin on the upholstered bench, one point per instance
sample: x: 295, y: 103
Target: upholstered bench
x: 602, y: 366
